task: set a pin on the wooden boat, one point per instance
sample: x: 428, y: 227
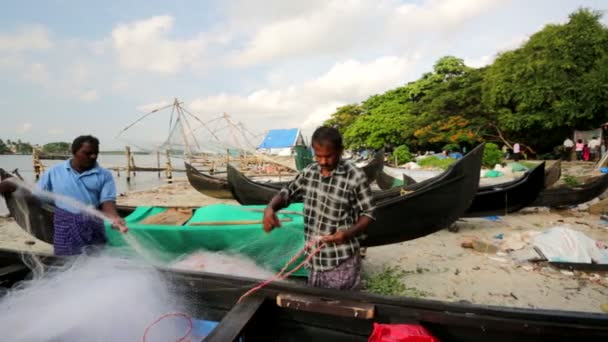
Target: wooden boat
x: 566, y: 196
x: 386, y: 181
x: 403, y: 213
x: 450, y: 194
x: 505, y: 198
x: 207, y: 185
x: 217, y: 187
x: 295, y: 312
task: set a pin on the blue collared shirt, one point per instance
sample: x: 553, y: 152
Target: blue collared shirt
x: 92, y: 187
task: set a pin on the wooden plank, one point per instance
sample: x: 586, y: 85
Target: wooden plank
x: 336, y: 307
x: 235, y: 320
x: 172, y: 216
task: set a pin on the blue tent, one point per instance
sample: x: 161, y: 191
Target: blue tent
x: 282, y: 138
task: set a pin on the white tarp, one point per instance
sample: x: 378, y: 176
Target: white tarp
x: 562, y: 244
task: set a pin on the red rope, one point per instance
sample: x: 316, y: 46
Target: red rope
x: 172, y: 314
x: 280, y: 275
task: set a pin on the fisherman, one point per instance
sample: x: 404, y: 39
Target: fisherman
x: 338, y: 207
x: 568, y: 145
x: 81, y: 178
x: 594, y: 148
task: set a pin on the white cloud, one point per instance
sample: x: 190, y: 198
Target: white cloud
x: 37, y: 73
x: 89, y: 95
x: 146, y: 45
x: 338, y: 26
x: 24, y: 127
x: 26, y: 38
x: 479, y: 61
x: 307, y: 104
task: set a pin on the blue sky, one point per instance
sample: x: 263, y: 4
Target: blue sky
x: 70, y: 67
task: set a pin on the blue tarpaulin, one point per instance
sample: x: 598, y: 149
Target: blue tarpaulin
x: 280, y: 138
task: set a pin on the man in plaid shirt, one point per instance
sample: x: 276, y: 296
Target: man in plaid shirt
x: 337, y: 209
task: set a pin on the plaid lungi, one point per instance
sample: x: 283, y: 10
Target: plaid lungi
x: 73, y: 232
x: 346, y: 276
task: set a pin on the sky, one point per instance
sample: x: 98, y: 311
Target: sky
x: 73, y: 67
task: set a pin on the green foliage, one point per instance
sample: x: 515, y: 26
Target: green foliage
x: 537, y: 93
x: 435, y: 162
x: 344, y: 117
x: 388, y: 282
x: 4, y: 148
x: 451, y: 147
x: 571, y: 181
x: 492, y: 155
x: 56, y: 147
x: 554, y: 81
x: 402, y: 154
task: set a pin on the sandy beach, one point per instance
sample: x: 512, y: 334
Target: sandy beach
x: 436, y: 266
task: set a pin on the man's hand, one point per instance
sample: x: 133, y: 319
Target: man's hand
x: 119, y: 223
x: 270, y: 220
x: 338, y: 238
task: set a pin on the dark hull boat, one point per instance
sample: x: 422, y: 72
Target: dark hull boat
x: 403, y: 213
x: 207, y: 185
x: 294, y: 312
x: 450, y: 194
x: 567, y: 196
x: 217, y: 187
x: 505, y: 198
x: 386, y: 181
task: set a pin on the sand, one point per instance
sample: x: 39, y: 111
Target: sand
x: 436, y: 265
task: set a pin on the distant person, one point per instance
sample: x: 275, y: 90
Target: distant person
x: 579, y: 149
x: 505, y: 151
x: 568, y: 145
x: 516, y: 152
x: 586, y: 152
x: 594, y: 148
x: 81, y: 178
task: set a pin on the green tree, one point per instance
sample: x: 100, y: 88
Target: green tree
x: 553, y: 83
x: 4, y: 149
x: 491, y: 155
x: 344, y: 117
x: 402, y: 154
x: 56, y: 147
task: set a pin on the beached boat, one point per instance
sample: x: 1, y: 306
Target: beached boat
x: 294, y: 312
x: 206, y: 184
x: 217, y: 187
x: 401, y: 215
x: 509, y: 197
x: 572, y: 195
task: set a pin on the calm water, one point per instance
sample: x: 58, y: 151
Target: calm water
x: 142, y: 181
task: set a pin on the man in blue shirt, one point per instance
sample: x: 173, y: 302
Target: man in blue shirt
x: 82, y: 179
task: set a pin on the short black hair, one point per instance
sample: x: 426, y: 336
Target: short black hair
x: 79, y: 141
x: 325, y: 134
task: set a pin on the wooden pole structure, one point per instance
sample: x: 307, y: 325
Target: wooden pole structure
x: 128, y: 154
x: 158, y: 162
x: 36, y: 161
x: 169, y: 170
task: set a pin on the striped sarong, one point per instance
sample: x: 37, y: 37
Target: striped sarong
x: 74, y: 232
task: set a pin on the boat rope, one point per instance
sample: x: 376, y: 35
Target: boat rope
x: 167, y: 315
x: 282, y: 275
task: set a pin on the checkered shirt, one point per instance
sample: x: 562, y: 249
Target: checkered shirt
x: 331, y: 204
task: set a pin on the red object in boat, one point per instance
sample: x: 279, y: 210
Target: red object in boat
x: 401, y: 333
